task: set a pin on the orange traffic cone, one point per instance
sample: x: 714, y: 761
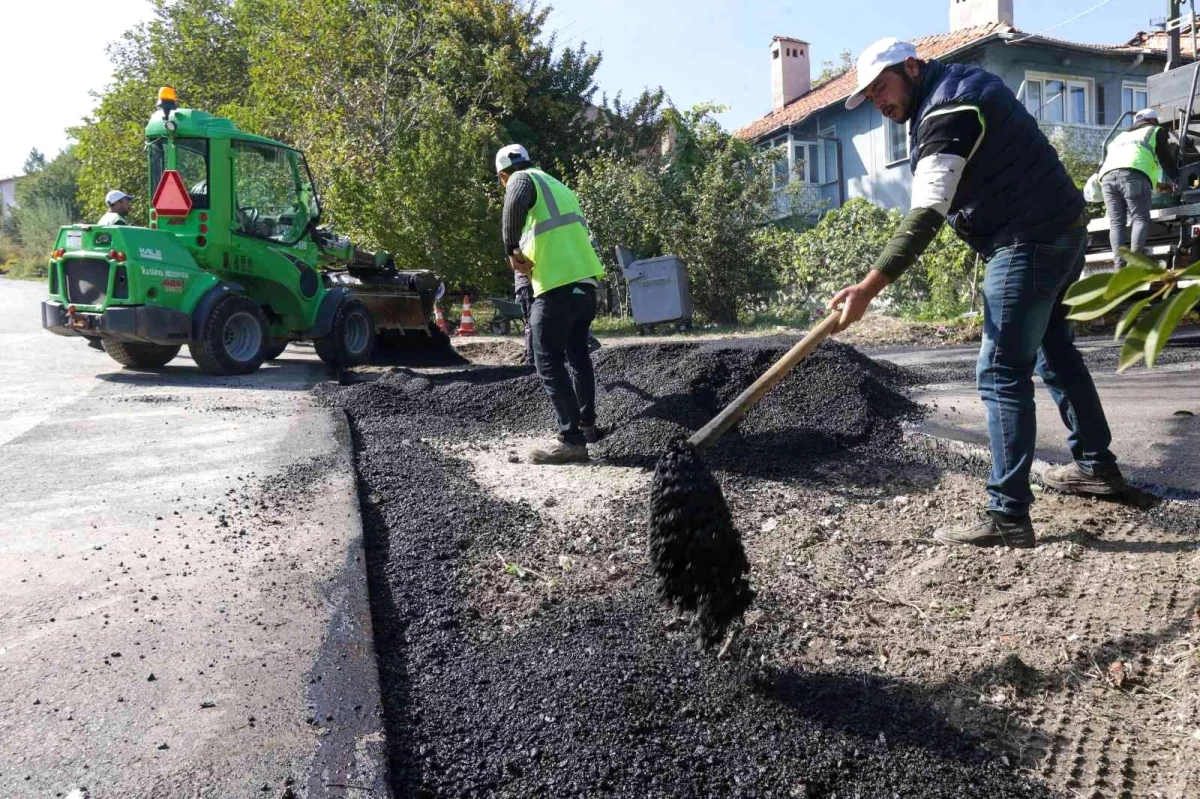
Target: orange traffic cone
x: 440, y: 320
x: 466, y: 326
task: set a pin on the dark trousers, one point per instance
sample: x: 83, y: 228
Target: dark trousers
x: 560, y: 319
x: 1026, y: 332
x: 525, y: 298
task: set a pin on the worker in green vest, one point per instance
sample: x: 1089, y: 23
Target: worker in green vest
x: 545, y: 237
x: 1134, y: 164
x: 119, y: 204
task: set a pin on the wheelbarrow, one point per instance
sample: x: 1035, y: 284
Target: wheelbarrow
x: 505, y: 314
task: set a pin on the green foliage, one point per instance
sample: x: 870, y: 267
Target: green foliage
x: 847, y: 240
x: 707, y: 200
x: 55, y: 181
x: 46, y: 199
x: 1151, y: 320
x: 830, y: 70
x: 399, y: 107
x: 39, y: 222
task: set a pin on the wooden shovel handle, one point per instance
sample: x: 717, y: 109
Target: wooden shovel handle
x: 703, y: 438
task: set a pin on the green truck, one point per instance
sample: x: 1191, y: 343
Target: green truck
x: 233, y: 264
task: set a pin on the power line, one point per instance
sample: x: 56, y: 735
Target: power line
x: 1099, y: 5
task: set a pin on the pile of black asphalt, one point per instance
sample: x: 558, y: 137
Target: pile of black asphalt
x: 592, y: 696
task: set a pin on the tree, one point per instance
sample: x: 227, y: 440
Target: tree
x: 399, y: 107
x: 709, y: 200
x: 1149, y: 322
x: 54, y: 182
x: 829, y: 70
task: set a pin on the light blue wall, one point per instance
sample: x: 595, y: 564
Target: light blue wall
x: 867, y: 173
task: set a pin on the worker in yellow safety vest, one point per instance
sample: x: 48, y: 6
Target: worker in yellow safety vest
x: 546, y: 238
x: 1134, y: 164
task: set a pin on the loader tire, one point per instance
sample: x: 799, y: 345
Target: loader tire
x: 351, y: 339
x: 233, y: 339
x: 140, y: 356
x: 275, y: 349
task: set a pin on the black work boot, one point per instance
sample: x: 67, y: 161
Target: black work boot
x: 592, y: 433
x: 561, y: 452
x: 1071, y: 478
x: 990, y: 529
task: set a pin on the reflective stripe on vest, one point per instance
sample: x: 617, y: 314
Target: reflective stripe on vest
x: 1135, y: 149
x: 566, y: 257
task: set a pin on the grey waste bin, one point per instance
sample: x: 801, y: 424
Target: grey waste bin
x: 659, y: 290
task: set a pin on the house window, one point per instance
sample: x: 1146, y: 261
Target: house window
x: 897, y: 140
x: 1059, y: 98
x: 1133, y: 98
x: 781, y: 169
x: 808, y: 162
x: 829, y: 153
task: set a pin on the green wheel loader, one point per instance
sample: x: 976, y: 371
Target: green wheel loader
x: 233, y: 264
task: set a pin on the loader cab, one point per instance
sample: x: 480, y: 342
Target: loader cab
x: 239, y: 185
x: 272, y: 192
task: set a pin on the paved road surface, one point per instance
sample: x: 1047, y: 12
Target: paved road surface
x: 1154, y: 438
x: 182, y: 607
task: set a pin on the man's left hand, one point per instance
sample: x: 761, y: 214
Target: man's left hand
x: 520, y: 263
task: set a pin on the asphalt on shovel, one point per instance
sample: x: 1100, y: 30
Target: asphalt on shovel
x: 696, y: 551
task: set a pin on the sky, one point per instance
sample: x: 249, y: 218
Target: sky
x: 698, y: 50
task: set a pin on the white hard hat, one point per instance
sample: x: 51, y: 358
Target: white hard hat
x: 874, y: 60
x: 509, y: 155
x: 115, y: 195
x: 1145, y: 115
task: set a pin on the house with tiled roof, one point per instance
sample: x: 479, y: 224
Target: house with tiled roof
x: 1077, y: 92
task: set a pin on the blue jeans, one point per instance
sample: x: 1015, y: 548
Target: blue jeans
x: 560, y: 319
x: 1025, y: 330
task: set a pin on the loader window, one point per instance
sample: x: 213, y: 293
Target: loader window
x: 191, y: 160
x: 267, y: 193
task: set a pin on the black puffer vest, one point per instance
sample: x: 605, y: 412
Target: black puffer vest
x: 1014, y: 189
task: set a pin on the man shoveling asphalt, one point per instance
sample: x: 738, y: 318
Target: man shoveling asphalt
x: 980, y: 162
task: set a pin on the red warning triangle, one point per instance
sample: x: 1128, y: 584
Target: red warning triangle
x: 171, y: 197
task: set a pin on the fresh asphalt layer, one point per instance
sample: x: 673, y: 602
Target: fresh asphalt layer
x: 182, y: 601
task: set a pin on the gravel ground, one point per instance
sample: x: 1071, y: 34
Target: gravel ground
x: 521, y: 647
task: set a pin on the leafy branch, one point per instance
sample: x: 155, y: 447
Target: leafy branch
x: 1175, y: 292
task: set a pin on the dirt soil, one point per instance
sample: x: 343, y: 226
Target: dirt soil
x: 523, y: 653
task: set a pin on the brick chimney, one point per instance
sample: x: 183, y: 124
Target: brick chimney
x: 972, y: 13
x: 790, y: 73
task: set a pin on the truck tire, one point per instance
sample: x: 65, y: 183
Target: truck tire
x: 351, y: 338
x: 140, y: 356
x: 275, y: 349
x: 233, y: 339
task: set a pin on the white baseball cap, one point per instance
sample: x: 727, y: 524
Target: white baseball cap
x: 874, y: 60
x: 115, y: 195
x: 509, y: 155
x: 1145, y: 115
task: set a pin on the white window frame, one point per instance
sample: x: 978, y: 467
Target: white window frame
x: 1134, y: 88
x: 890, y: 157
x: 815, y: 166
x: 829, y: 168
x: 1069, y: 81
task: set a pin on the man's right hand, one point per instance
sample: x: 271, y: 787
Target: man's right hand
x: 854, y: 300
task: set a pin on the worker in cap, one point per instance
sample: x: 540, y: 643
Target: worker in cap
x: 547, y: 244
x: 1135, y: 162
x: 980, y: 162
x: 119, y: 204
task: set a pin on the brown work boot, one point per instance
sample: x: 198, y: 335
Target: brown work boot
x: 1071, y: 478
x: 592, y: 433
x: 561, y: 452
x: 990, y: 529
